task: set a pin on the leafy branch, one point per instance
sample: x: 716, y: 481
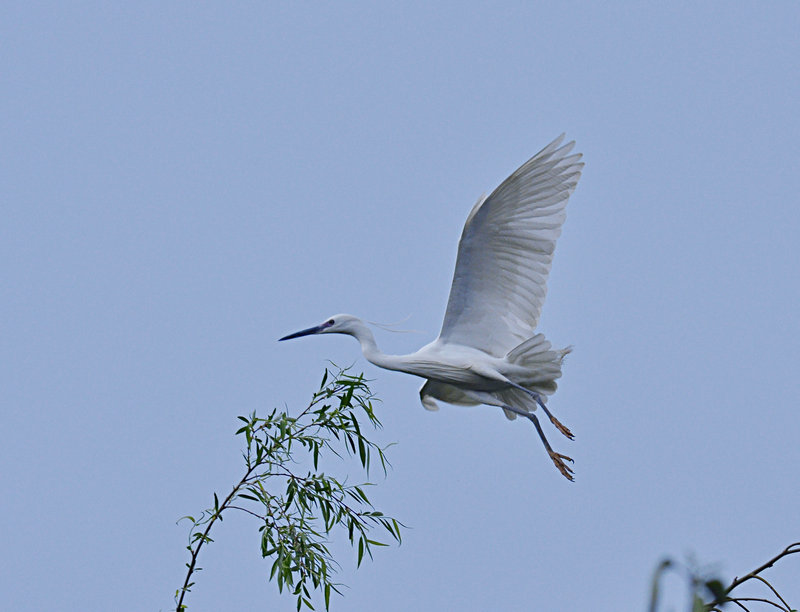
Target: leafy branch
x: 710, y: 594
x: 299, y: 511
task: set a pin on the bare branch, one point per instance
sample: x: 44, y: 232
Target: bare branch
x: 789, y: 550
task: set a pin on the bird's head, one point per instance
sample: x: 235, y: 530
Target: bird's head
x: 337, y: 324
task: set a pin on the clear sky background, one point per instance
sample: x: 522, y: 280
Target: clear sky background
x: 183, y: 183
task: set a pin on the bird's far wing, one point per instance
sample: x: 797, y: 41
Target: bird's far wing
x: 435, y: 390
x: 505, y: 253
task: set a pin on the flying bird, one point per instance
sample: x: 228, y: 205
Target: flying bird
x: 487, y: 351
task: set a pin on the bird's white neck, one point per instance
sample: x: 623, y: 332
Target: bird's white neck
x: 370, y: 349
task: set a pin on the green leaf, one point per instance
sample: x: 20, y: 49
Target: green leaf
x: 397, y: 530
x: 362, y: 453
x: 376, y: 543
x: 716, y: 588
x: 354, y: 421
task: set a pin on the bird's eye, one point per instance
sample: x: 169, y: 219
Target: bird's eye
x: 330, y: 321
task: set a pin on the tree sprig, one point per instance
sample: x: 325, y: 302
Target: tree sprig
x: 709, y: 594
x: 298, y: 512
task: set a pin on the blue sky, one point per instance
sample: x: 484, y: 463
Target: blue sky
x: 184, y: 183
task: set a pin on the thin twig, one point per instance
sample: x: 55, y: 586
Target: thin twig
x: 258, y: 516
x: 772, y: 588
x: 204, y: 538
x: 759, y: 599
x: 789, y: 550
x: 754, y: 575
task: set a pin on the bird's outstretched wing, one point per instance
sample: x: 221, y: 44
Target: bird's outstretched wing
x: 505, y: 253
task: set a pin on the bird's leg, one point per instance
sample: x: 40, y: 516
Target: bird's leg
x: 562, y: 428
x: 557, y: 458
x: 559, y: 425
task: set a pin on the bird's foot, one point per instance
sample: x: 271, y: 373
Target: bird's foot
x: 559, y: 459
x: 562, y: 428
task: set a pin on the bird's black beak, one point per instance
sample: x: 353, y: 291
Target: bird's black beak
x: 305, y: 332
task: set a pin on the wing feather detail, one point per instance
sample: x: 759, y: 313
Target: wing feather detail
x: 505, y: 253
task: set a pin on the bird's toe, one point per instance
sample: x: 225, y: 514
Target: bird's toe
x: 559, y: 461
x: 562, y: 428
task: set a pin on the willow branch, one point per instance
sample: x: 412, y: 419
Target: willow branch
x: 204, y: 538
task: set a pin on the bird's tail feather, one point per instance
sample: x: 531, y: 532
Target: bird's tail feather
x: 539, y: 368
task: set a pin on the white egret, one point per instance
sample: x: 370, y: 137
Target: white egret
x: 487, y: 352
